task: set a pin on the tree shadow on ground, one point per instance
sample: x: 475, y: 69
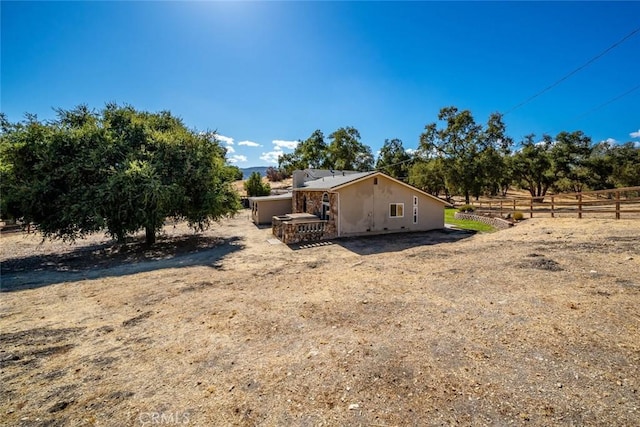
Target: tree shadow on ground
x: 391, y: 242
x: 111, y: 259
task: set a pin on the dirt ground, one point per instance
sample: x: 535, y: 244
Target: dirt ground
x: 535, y: 325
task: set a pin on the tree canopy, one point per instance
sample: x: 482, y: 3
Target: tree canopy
x: 344, y: 151
x: 347, y: 152
x: 312, y: 152
x: 119, y: 170
x: 532, y: 167
x: 467, y: 150
x: 255, y: 187
x: 394, y: 159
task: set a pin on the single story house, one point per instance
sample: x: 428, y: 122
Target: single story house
x: 356, y: 203
x: 266, y: 207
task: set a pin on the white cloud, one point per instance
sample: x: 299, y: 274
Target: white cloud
x: 543, y: 142
x: 226, y: 139
x: 285, y: 144
x: 237, y: 158
x: 249, y: 144
x: 272, y: 156
x: 635, y: 134
x: 230, y: 149
x: 609, y: 142
x: 410, y: 151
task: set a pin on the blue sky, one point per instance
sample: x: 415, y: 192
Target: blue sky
x: 265, y: 74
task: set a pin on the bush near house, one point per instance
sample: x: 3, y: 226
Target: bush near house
x: 255, y: 187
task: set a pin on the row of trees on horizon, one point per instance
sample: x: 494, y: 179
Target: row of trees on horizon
x: 121, y: 170
x: 466, y: 158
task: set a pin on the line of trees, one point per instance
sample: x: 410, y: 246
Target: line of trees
x: 458, y: 156
x: 118, y: 170
x: 121, y: 170
x: 469, y: 159
x: 343, y: 151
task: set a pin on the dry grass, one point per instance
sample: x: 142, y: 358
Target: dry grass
x: 533, y: 325
x: 278, y: 185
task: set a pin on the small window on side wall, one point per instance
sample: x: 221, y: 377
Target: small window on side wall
x: 375, y: 181
x: 396, y: 210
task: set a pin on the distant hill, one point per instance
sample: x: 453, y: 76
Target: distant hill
x: 248, y: 171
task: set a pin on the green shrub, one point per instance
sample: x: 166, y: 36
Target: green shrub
x: 255, y: 187
x: 518, y: 216
x: 466, y: 208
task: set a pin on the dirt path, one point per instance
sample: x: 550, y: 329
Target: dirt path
x: 533, y: 325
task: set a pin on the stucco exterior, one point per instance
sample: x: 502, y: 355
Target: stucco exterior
x: 367, y: 203
x: 266, y: 207
x: 365, y: 207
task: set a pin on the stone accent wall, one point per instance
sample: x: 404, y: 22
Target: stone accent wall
x: 494, y: 222
x: 297, y: 232
x: 314, y: 206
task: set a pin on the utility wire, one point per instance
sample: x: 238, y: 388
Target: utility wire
x: 604, y: 104
x: 586, y: 64
x: 586, y: 113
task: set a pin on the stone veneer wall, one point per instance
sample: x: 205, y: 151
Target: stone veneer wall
x: 495, y: 222
x: 311, y: 232
x: 314, y: 206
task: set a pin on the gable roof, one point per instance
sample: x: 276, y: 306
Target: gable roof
x: 340, y: 181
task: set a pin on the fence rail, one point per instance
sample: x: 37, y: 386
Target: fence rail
x: 617, y: 203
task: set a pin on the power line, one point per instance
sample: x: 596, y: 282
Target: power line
x: 586, y: 64
x: 604, y: 104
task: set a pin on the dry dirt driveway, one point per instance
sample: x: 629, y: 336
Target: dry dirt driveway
x: 535, y: 325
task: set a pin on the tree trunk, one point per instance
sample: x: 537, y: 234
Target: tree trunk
x: 150, y: 235
x: 466, y: 197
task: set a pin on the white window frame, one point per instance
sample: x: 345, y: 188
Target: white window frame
x: 396, y: 205
x: 415, y: 214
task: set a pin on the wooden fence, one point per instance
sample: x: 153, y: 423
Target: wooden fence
x: 616, y: 203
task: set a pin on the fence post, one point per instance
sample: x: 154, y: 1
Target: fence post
x: 501, y: 208
x: 580, y: 205
x: 552, y: 207
x: 617, y: 205
x: 531, y: 207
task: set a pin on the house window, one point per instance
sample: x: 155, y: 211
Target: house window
x: 415, y: 200
x: 415, y: 214
x: 396, y: 210
x: 375, y: 181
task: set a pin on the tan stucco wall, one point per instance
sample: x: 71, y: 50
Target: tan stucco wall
x: 364, y: 207
x: 265, y: 209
